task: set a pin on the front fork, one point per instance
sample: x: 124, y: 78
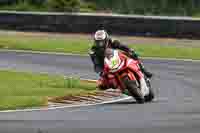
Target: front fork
x: 122, y: 86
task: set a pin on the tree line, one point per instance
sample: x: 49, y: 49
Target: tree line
x: 144, y: 7
x: 151, y: 7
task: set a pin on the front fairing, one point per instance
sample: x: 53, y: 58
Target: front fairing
x: 114, y: 63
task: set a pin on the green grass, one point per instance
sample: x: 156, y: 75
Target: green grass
x: 81, y: 46
x: 179, y: 52
x: 72, y: 45
x: 21, y: 90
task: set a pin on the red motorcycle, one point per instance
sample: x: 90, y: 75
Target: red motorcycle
x: 122, y: 72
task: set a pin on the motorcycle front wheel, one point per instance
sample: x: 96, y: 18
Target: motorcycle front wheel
x: 134, y: 89
x: 151, y: 95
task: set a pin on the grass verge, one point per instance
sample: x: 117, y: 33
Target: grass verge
x: 81, y: 46
x: 22, y: 90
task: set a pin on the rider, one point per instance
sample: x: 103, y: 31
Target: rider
x: 103, y: 41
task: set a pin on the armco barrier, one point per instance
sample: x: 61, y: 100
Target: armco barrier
x: 88, y: 23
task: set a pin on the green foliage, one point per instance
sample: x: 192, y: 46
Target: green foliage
x: 64, y: 5
x: 145, y: 7
x: 88, y: 7
x: 150, y: 7
x: 23, y: 5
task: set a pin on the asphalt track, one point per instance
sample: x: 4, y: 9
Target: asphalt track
x: 176, y: 108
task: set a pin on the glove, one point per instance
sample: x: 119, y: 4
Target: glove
x: 101, y: 84
x: 100, y: 74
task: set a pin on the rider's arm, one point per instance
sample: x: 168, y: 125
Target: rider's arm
x: 96, y: 60
x: 117, y: 45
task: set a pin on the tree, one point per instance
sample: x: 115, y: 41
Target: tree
x: 64, y: 5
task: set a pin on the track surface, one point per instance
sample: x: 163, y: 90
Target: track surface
x: 176, y: 109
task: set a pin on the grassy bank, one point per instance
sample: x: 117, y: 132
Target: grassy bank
x: 21, y: 90
x: 82, y: 45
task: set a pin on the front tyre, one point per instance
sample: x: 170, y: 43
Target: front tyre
x: 134, y: 90
x: 151, y: 95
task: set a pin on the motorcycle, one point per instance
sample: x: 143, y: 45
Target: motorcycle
x: 122, y: 72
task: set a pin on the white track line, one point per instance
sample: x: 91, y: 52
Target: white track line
x: 69, y: 106
x: 40, y: 52
x: 171, y: 59
x: 85, y: 105
x: 71, y: 54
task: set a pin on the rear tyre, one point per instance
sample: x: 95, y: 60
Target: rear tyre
x: 134, y: 90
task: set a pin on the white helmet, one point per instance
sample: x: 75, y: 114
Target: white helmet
x: 101, y: 38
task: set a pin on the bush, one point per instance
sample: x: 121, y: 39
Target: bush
x: 88, y: 7
x: 22, y: 5
x: 64, y: 5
